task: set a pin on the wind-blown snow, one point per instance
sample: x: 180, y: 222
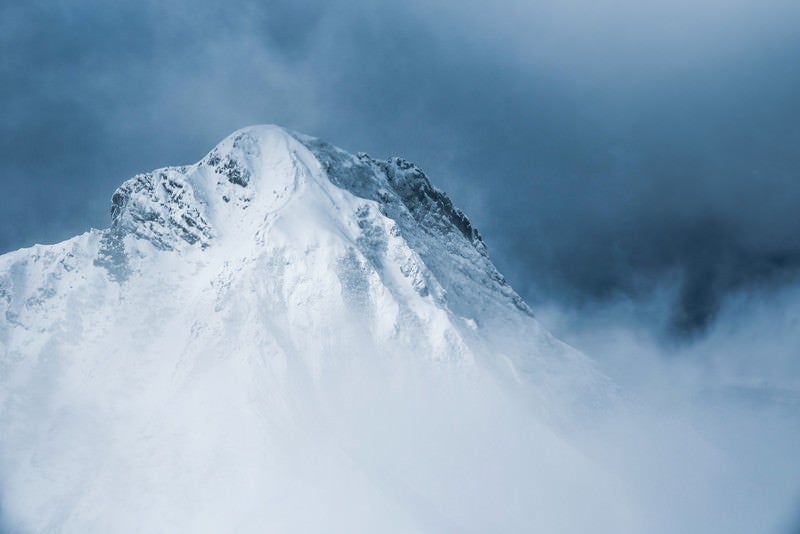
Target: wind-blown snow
x: 287, y: 337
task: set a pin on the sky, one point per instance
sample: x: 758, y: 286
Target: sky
x: 633, y: 166
x: 605, y: 149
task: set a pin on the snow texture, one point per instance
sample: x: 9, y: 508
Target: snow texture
x: 287, y: 337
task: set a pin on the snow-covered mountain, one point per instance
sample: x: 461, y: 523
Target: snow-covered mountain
x: 287, y: 337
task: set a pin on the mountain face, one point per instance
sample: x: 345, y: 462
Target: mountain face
x: 286, y: 337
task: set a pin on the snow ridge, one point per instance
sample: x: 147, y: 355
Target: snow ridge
x: 170, y: 207
x: 263, y: 328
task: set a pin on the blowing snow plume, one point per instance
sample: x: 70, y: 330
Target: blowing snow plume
x: 287, y: 337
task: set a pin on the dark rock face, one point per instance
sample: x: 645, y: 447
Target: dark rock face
x: 159, y: 206
x: 229, y: 167
x: 425, y: 202
x: 405, y: 184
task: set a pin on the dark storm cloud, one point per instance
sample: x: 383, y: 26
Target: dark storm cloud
x: 604, y: 148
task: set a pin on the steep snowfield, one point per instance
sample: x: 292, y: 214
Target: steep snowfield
x: 287, y: 337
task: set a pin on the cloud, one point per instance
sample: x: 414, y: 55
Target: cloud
x: 633, y: 166
x: 603, y: 148
x: 724, y: 405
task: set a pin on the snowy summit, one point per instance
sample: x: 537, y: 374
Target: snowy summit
x: 286, y: 337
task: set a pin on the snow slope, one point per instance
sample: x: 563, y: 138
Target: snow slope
x: 287, y: 337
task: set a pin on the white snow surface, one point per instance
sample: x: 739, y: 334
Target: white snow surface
x: 284, y: 337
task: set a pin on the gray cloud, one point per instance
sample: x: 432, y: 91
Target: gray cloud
x: 604, y: 148
x: 632, y: 165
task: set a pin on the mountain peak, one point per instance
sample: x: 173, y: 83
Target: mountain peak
x: 245, y: 181
x: 188, y: 206
x: 239, y: 156
x: 241, y: 334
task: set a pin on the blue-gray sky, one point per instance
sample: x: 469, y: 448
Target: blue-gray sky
x: 605, y: 149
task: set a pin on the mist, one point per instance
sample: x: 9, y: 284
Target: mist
x: 633, y: 168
